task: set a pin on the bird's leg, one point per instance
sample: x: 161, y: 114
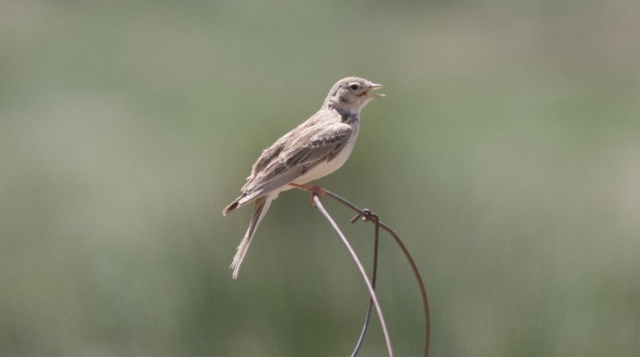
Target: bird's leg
x: 312, y: 189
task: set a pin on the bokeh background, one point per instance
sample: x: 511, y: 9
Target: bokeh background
x: 506, y: 154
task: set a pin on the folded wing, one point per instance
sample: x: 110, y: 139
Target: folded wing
x: 287, y: 160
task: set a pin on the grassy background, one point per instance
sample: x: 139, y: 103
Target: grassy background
x: 506, y: 154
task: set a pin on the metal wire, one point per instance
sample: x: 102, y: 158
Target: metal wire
x: 317, y: 193
x: 366, y: 216
x: 374, y: 274
x: 372, y: 293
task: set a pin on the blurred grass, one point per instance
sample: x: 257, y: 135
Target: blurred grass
x: 506, y: 154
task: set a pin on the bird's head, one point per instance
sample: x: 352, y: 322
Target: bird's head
x: 351, y: 94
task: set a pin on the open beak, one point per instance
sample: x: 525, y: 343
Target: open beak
x: 374, y: 87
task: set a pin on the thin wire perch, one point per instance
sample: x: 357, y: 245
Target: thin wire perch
x: 370, y: 217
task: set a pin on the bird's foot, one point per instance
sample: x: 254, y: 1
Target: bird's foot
x: 313, y: 190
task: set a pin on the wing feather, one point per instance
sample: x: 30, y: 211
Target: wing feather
x: 288, y: 159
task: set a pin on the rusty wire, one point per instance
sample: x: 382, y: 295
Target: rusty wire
x: 372, y: 293
x: 374, y: 274
x: 368, y: 216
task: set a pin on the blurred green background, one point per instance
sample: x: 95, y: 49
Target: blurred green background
x: 506, y: 154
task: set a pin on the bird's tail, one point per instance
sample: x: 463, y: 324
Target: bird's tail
x: 260, y: 209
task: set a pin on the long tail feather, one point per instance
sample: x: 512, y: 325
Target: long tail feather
x: 260, y: 209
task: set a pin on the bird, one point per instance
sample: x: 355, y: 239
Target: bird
x: 314, y: 149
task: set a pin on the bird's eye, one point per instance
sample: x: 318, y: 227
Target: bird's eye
x: 354, y: 86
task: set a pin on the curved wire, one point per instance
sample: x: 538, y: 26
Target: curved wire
x: 374, y: 274
x: 372, y: 293
x: 366, y: 216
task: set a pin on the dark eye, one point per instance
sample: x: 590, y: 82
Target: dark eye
x: 355, y: 86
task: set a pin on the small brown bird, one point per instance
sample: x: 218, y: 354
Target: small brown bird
x: 314, y: 149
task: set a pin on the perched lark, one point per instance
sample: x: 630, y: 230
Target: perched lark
x: 314, y: 149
